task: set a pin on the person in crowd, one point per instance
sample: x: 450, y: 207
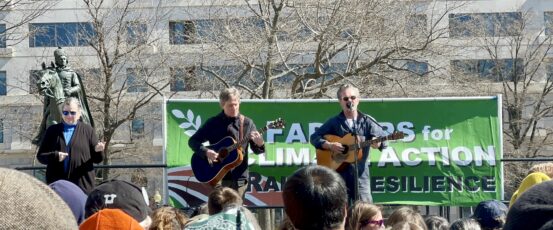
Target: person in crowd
x: 315, y: 197
x: 73, y: 196
x: 168, y: 218
x: 546, y: 168
x: 434, y: 222
x: 529, y: 181
x: 533, y: 209
x: 365, y: 216
x: 118, y: 194
x: 351, y: 121
x: 465, y: 224
x: 222, y: 198
x: 229, y: 123
x: 407, y: 214
x: 404, y: 225
x: 28, y: 203
x: 112, y: 219
x: 225, y: 212
x: 490, y: 214
x: 70, y: 149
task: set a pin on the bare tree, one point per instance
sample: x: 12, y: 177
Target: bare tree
x: 514, y: 62
x: 125, y: 45
x: 308, y: 47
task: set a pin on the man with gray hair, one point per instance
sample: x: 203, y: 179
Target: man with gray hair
x: 351, y: 121
x: 228, y: 123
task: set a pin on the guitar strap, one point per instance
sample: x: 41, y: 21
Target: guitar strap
x: 241, y: 128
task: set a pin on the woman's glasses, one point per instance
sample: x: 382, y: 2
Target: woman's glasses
x: 66, y: 113
x: 350, y: 97
x: 375, y: 222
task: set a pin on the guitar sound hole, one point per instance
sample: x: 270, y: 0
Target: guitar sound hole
x: 346, y: 149
x: 222, y: 155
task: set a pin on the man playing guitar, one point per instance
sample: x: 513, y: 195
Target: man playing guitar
x: 351, y: 121
x: 229, y: 123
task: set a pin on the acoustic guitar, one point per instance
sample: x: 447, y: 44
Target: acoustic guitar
x: 337, y: 161
x: 230, y: 156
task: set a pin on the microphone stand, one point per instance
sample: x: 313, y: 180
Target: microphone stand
x: 355, y: 166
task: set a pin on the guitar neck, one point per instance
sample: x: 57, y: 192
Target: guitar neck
x: 373, y: 141
x: 244, y: 140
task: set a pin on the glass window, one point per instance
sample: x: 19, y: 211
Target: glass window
x: 495, y: 70
x: 60, y: 34
x: 180, y: 32
x: 135, y: 81
x: 548, y: 21
x: 485, y: 24
x: 3, y: 83
x: 2, y: 36
x: 136, y: 33
x: 137, y: 126
x: 417, y: 67
x: 183, y: 79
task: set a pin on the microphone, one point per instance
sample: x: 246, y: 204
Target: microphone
x: 349, y: 105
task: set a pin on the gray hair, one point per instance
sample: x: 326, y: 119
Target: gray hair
x: 72, y: 101
x: 227, y: 93
x: 344, y: 87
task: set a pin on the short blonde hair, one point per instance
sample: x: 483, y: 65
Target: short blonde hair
x: 361, y: 211
x: 546, y: 168
x: 166, y: 218
x: 407, y: 214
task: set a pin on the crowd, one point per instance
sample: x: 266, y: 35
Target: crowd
x: 315, y: 197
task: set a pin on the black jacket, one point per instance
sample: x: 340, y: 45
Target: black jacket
x: 82, y: 155
x: 219, y: 127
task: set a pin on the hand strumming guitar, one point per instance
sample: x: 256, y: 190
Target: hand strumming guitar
x: 335, y: 147
x: 211, y: 155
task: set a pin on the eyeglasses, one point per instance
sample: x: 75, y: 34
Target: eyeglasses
x: 66, y: 113
x: 375, y: 222
x: 347, y: 98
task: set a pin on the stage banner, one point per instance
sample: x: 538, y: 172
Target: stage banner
x: 450, y: 154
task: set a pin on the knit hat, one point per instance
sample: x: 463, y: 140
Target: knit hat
x: 118, y: 194
x: 529, y: 181
x: 489, y: 213
x: 73, y: 196
x: 28, y: 203
x: 533, y: 209
x: 113, y: 219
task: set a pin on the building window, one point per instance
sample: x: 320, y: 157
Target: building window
x: 485, y: 24
x: 137, y: 127
x: 183, y: 79
x: 209, y: 30
x: 3, y: 83
x: 417, y: 67
x: 180, y: 32
x: 135, y: 81
x: 61, y: 34
x: 495, y: 70
x: 137, y: 33
x: 548, y: 21
x: 2, y: 36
